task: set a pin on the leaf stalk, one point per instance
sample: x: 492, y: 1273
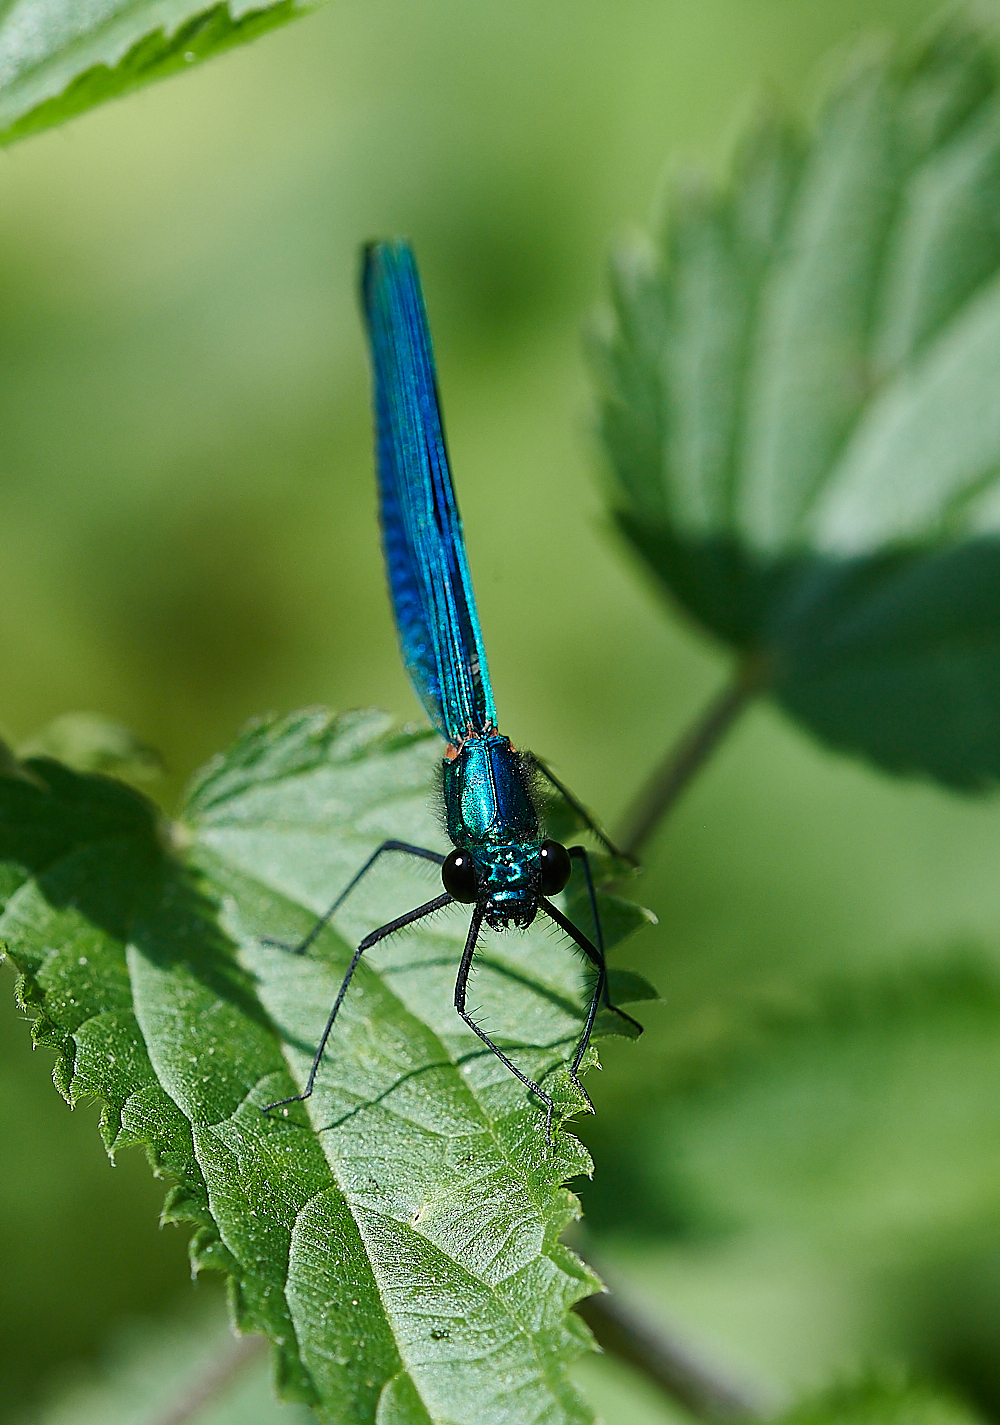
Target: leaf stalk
x: 215, y: 1379
x: 670, y: 779
x: 620, y: 1332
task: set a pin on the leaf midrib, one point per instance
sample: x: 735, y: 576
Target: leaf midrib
x: 336, y: 1170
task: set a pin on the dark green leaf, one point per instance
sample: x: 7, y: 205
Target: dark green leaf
x: 881, y: 1402
x: 859, y: 1114
x: 59, y: 58
x: 800, y: 407
x: 397, y: 1236
x: 151, y: 1371
x: 626, y: 987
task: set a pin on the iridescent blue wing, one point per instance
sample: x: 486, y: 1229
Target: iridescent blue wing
x: 429, y: 579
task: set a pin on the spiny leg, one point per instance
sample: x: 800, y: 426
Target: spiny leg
x: 438, y: 903
x: 581, y: 811
x: 461, y: 985
x: 596, y: 957
x: 324, y: 919
x: 579, y: 853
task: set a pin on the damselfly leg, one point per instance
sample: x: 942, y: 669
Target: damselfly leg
x: 581, y: 811
x: 438, y: 903
x: 403, y: 846
x: 579, y: 853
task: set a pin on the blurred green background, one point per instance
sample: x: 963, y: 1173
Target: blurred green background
x: 798, y: 1168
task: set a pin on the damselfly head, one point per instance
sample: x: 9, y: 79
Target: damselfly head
x: 509, y: 885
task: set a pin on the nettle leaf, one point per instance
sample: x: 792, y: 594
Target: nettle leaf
x: 881, y: 1401
x: 91, y: 742
x: 831, y: 1117
x: 59, y: 58
x: 398, y: 1236
x: 800, y: 404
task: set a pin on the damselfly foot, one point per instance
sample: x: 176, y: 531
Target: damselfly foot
x: 282, y: 1102
x: 583, y: 1093
x: 622, y: 1015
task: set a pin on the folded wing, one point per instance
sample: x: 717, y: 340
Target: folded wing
x: 428, y: 573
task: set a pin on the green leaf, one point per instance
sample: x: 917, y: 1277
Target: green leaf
x: 858, y: 1115
x: 799, y: 403
x: 880, y: 1401
x: 153, y: 1369
x: 627, y: 987
x: 91, y: 742
x: 396, y: 1236
x: 59, y: 58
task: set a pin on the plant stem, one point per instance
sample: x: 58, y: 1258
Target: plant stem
x: 214, y: 1379
x: 620, y: 1332
x: 618, y: 1329
x: 686, y: 757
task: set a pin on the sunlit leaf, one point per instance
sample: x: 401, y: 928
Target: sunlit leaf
x: 59, y: 57
x: 397, y: 1236
x: 91, y: 742
x: 800, y: 407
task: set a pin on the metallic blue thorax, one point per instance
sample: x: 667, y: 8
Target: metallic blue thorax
x: 491, y: 814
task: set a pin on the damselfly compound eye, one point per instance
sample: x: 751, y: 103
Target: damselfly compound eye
x: 556, y: 867
x: 459, y: 876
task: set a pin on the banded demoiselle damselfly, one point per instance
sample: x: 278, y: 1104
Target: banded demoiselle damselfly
x: 502, y: 864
